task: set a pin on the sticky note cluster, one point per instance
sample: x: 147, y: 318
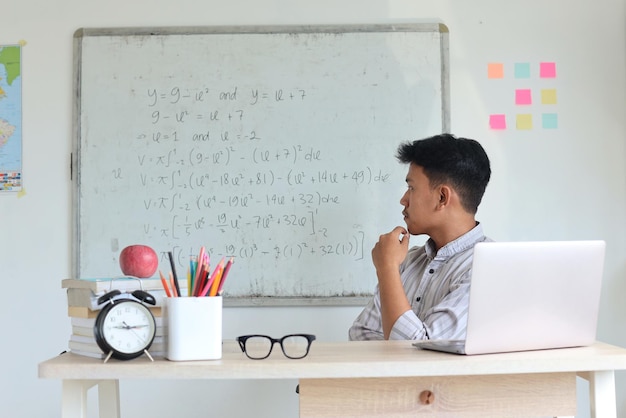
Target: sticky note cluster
x: 525, y: 98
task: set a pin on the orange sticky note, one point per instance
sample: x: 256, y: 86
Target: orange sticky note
x: 495, y: 70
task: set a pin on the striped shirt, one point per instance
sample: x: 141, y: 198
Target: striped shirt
x: 436, y: 284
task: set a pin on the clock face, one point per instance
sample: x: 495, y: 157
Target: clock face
x: 126, y: 328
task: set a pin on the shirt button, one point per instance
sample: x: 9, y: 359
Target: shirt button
x: 431, y: 271
x: 418, y: 299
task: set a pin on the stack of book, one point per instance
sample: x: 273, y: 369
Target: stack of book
x: 83, y: 308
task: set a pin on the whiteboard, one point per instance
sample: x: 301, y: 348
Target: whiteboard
x: 275, y: 145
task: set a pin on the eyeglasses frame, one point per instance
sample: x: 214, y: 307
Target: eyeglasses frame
x: 243, y: 338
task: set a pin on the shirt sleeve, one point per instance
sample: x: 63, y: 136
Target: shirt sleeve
x: 368, y: 325
x: 408, y: 327
x: 445, y: 320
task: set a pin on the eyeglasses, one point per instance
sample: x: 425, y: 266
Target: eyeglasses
x: 258, y: 347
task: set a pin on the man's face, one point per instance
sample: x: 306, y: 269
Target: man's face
x: 419, y: 201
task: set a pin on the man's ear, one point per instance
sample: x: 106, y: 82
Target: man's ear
x: 445, y: 193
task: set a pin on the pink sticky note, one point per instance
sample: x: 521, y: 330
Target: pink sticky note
x: 497, y: 121
x: 523, y: 97
x: 547, y: 70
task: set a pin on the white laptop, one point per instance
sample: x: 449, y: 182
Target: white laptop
x: 530, y: 296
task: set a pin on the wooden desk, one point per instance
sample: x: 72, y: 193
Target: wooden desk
x: 367, y: 379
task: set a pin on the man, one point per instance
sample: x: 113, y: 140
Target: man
x: 423, y: 292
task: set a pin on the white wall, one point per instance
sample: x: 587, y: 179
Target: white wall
x: 574, y: 188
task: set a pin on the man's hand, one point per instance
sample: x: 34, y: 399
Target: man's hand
x: 391, y: 249
x: 387, y: 255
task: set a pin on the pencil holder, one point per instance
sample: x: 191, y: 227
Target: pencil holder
x: 194, y: 328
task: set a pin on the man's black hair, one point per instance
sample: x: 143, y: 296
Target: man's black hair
x: 460, y: 162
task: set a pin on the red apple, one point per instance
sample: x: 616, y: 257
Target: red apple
x: 139, y: 261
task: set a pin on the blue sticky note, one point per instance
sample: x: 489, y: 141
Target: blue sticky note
x: 549, y: 120
x: 522, y: 70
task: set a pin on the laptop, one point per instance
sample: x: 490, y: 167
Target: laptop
x: 530, y: 296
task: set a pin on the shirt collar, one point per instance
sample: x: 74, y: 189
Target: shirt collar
x: 459, y: 245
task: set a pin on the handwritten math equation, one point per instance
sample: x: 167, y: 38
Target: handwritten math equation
x: 206, y: 164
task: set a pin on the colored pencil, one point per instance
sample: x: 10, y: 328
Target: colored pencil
x: 223, y: 278
x: 175, y: 279
x: 165, y: 286
x: 173, y: 284
x: 216, y: 283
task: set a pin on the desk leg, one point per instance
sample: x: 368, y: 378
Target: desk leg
x: 109, y: 398
x: 601, y: 393
x: 74, y: 400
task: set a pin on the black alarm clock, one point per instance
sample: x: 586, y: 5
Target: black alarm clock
x: 125, y: 327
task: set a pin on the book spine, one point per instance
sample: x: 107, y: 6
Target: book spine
x: 103, y: 285
x: 90, y: 322
x: 84, y: 312
x: 86, y: 298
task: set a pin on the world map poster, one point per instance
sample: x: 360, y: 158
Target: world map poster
x: 10, y: 118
